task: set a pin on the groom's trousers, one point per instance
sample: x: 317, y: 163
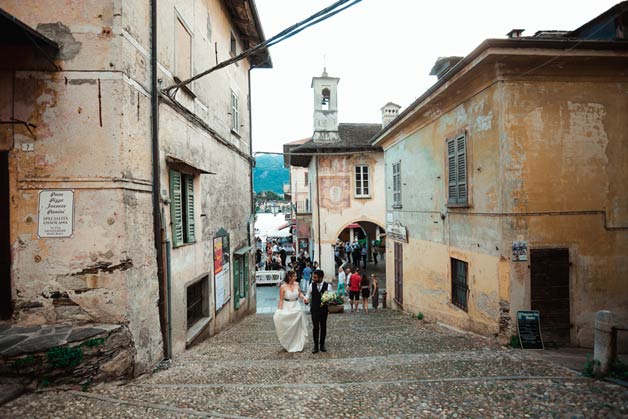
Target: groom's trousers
x: 319, y: 323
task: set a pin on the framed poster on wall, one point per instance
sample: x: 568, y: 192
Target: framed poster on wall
x: 222, y: 278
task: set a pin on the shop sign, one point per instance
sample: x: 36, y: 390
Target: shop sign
x: 519, y: 251
x: 55, y: 217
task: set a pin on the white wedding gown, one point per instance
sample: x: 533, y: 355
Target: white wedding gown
x: 290, y: 323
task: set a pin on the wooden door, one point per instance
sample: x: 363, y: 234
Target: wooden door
x: 6, y: 307
x: 398, y: 256
x: 549, y: 288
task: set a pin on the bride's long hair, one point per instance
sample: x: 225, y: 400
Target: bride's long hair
x: 289, y: 273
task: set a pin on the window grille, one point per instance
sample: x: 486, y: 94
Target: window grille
x: 459, y: 283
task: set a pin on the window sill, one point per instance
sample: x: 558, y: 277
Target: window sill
x: 196, y: 329
x: 178, y: 246
x: 467, y: 205
x: 397, y: 206
x: 362, y: 196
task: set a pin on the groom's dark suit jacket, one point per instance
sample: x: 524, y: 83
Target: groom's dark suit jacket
x: 315, y: 304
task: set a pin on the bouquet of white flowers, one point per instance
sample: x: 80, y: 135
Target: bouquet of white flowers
x: 332, y: 299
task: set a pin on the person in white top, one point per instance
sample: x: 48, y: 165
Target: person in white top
x: 289, y: 319
x: 342, y: 280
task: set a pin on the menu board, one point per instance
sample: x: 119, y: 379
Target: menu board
x: 222, y: 289
x: 529, y: 328
x: 56, y: 214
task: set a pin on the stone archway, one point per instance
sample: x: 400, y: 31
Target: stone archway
x: 366, y: 232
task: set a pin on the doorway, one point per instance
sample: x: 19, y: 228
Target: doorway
x: 6, y: 306
x: 549, y: 289
x: 398, y: 256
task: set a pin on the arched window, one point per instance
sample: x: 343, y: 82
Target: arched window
x: 325, y: 95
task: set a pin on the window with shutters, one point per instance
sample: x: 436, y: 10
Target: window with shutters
x: 459, y: 283
x: 235, y: 112
x: 362, y: 181
x: 457, y: 179
x: 240, y: 276
x: 396, y: 167
x: 182, y: 208
x: 233, y: 45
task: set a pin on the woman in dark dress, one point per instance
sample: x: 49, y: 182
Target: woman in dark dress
x: 365, y: 290
x: 374, y: 291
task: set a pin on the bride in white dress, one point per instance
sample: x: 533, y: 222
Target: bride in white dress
x: 290, y: 322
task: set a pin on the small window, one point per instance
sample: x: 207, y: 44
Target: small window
x: 240, y: 278
x: 183, y: 54
x: 397, y: 185
x: 197, y: 301
x: 459, y: 283
x: 305, y: 180
x: 233, y: 45
x: 362, y: 181
x: 325, y: 97
x: 235, y: 112
x: 182, y: 208
x: 457, y: 186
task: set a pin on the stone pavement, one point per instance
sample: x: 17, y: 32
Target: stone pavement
x: 381, y: 365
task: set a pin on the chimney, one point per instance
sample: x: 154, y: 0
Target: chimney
x: 443, y: 65
x: 515, y: 33
x: 389, y: 112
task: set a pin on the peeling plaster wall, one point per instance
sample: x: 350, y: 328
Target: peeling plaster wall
x: 568, y: 151
x: 92, y: 136
x: 339, y: 206
x: 546, y: 164
x: 437, y: 233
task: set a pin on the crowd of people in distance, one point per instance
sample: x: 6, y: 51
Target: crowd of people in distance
x: 355, y: 252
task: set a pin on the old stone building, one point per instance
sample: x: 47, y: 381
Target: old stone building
x: 124, y: 206
x: 345, y: 187
x: 506, y: 185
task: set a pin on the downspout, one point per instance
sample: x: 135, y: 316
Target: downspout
x: 252, y: 161
x: 164, y: 319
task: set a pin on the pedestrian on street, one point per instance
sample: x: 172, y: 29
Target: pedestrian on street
x: 365, y: 290
x: 319, y: 311
x: 342, y: 279
x: 307, y: 277
x: 364, y: 254
x: 375, y: 254
x: 354, y: 289
x: 374, y: 291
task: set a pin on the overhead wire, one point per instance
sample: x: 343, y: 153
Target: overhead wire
x: 287, y: 33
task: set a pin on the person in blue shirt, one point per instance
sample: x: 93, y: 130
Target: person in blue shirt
x: 306, y: 279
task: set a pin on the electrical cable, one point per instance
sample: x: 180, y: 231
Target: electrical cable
x: 287, y: 33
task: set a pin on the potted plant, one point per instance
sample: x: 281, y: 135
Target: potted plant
x: 334, y: 301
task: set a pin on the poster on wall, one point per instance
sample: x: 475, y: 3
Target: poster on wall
x: 222, y: 289
x: 519, y: 251
x: 55, y: 216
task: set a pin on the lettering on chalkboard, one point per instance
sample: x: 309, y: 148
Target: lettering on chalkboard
x: 529, y: 328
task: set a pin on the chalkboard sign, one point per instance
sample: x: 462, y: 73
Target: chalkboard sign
x: 529, y: 328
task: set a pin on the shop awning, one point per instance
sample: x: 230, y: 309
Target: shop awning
x: 184, y: 166
x: 354, y: 225
x: 243, y: 250
x: 284, y: 225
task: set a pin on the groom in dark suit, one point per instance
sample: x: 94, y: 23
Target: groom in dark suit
x: 319, y: 314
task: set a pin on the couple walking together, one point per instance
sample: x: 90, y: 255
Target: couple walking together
x: 289, y: 319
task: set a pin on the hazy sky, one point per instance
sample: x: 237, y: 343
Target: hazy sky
x: 382, y: 51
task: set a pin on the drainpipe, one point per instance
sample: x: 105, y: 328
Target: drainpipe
x: 252, y: 162
x: 157, y: 219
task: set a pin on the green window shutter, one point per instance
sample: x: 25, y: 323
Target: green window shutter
x: 236, y: 282
x: 176, y: 208
x: 245, y: 276
x: 461, y: 153
x: 189, y: 209
x: 452, y: 181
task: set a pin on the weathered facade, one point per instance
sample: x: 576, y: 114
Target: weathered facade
x: 85, y: 111
x: 345, y: 175
x: 508, y: 177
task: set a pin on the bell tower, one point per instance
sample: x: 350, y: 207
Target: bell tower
x: 325, y: 90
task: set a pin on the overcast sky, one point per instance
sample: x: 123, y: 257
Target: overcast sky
x: 382, y: 51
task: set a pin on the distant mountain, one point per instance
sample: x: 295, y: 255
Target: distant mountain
x: 269, y: 174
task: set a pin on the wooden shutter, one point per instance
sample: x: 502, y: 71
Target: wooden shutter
x: 461, y: 163
x: 176, y: 208
x: 190, y: 231
x: 365, y: 180
x: 245, y: 276
x: 236, y: 282
x: 452, y: 172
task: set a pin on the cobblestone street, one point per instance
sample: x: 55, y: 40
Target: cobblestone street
x: 381, y: 365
